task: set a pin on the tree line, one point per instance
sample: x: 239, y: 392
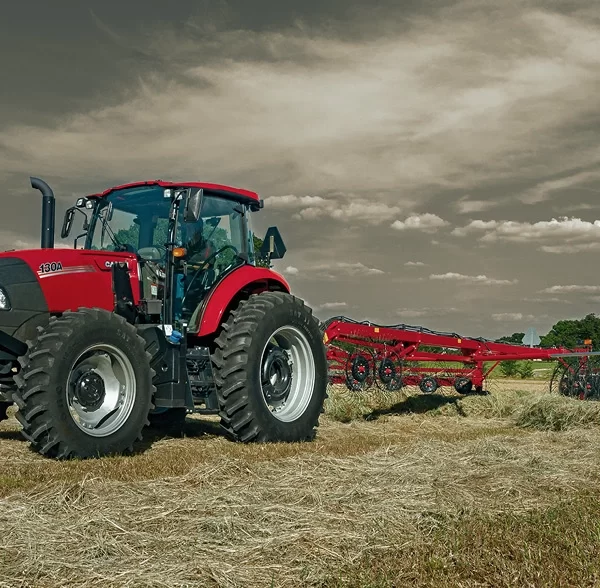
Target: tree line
x: 565, y: 333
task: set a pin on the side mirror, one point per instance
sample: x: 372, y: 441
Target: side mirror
x: 193, y: 204
x: 67, y: 223
x: 273, y: 246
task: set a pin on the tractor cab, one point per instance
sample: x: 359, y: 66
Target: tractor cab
x: 186, y: 237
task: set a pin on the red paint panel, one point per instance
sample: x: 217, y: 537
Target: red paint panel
x: 203, y: 185
x: 71, y: 278
x: 250, y: 277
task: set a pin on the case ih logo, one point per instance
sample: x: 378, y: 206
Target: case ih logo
x: 109, y: 264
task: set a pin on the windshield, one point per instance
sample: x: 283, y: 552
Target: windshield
x: 136, y: 220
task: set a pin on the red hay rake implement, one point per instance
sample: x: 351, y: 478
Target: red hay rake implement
x: 362, y: 355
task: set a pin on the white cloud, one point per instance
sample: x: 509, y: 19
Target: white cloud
x: 558, y: 235
x: 20, y: 244
x: 339, y: 207
x: 480, y: 279
x: 573, y: 248
x: 11, y: 240
x: 333, y: 305
x: 291, y: 201
x: 291, y: 270
x: 332, y: 271
x: 427, y: 223
x: 370, y: 212
x: 570, y: 289
x: 546, y: 300
x: 561, y: 206
x: 412, y: 313
x: 473, y: 226
x: 425, y: 312
x: 544, y: 190
x: 511, y: 316
x: 414, y: 264
x: 466, y: 206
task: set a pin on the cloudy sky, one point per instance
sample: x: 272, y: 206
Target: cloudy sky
x: 427, y: 162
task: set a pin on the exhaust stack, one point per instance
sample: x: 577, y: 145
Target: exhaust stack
x: 48, y: 209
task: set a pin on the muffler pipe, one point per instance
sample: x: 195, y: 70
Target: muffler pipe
x: 48, y: 211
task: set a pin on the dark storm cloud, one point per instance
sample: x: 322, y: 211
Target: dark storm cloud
x: 449, y: 135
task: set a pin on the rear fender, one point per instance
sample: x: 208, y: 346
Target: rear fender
x: 226, y: 295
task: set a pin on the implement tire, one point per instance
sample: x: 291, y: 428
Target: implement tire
x: 85, y: 387
x: 270, y: 370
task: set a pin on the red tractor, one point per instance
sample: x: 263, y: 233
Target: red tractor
x: 161, y: 312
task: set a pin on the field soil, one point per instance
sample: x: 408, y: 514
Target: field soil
x: 398, y: 489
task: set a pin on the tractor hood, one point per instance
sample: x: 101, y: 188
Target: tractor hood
x: 71, y: 278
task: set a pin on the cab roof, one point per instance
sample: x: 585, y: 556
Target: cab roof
x: 217, y: 189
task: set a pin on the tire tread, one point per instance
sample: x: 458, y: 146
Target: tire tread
x: 230, y: 361
x: 32, y: 395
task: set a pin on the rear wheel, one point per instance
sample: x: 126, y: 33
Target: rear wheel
x: 85, y: 388
x: 270, y: 370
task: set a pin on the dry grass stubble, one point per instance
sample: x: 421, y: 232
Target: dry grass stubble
x: 369, y: 495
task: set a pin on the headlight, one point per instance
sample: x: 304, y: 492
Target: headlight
x: 4, y: 301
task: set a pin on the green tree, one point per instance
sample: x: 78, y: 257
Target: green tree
x: 509, y: 368
x: 259, y: 259
x: 516, y: 338
x: 128, y: 236
x: 572, y: 333
x: 132, y: 234
x: 525, y: 369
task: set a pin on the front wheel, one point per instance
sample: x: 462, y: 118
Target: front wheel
x: 85, y: 388
x: 270, y: 370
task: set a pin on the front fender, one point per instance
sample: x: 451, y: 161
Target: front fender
x: 237, y: 285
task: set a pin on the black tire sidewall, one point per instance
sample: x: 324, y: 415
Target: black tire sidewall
x: 123, y: 337
x: 428, y: 382
x: 294, y: 314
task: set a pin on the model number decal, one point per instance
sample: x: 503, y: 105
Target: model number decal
x: 53, y: 266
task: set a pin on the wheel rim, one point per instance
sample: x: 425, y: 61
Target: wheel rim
x: 101, y: 390
x: 428, y: 385
x: 287, y: 374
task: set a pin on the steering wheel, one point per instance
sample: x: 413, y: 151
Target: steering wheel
x: 203, y: 265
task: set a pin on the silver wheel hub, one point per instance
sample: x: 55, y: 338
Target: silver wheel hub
x: 90, y: 391
x: 277, y: 375
x: 101, y: 390
x: 287, y: 373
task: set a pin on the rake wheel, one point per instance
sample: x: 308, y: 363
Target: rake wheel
x: 463, y: 385
x: 428, y: 385
x: 577, y: 380
x: 389, y: 372
x: 360, y: 370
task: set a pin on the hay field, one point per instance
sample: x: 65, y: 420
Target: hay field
x: 500, y: 490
